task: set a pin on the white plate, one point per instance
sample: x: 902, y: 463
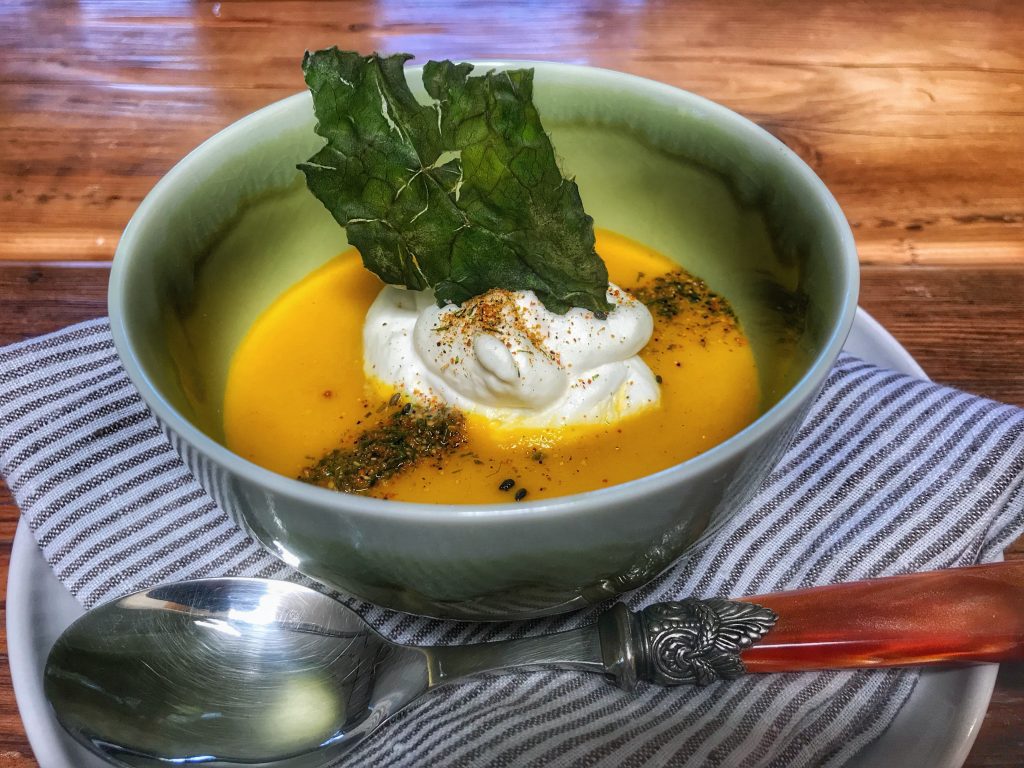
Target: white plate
x: 935, y: 729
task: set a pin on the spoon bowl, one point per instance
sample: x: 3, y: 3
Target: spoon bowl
x: 262, y: 671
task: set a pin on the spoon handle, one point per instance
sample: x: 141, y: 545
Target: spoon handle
x: 961, y: 615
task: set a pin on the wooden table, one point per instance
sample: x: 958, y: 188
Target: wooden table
x: 912, y: 113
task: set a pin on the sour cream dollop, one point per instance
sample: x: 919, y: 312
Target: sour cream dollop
x: 504, y: 356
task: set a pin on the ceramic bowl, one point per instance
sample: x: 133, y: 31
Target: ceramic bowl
x: 688, y: 177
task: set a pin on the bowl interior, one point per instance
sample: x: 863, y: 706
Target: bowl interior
x: 232, y: 227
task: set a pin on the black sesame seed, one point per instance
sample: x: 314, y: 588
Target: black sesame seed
x: 507, y: 485
x: 520, y: 494
x: 407, y: 409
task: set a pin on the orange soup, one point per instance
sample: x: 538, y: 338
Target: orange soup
x: 296, y: 390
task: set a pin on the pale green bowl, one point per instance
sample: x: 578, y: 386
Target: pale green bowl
x: 203, y: 257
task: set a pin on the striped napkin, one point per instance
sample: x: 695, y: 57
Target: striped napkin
x: 889, y: 474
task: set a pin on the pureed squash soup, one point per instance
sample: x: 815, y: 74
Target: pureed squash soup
x: 296, y: 391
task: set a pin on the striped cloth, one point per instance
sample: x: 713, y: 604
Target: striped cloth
x: 889, y: 474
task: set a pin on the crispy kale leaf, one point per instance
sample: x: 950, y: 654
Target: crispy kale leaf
x: 462, y: 195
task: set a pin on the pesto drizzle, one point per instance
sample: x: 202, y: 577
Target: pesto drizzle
x: 408, y: 435
x: 668, y: 295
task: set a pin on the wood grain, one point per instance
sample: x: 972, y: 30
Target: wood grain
x: 912, y: 113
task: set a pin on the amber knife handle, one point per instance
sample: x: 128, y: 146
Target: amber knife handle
x: 956, y: 616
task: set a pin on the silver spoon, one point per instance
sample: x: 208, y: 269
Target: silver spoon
x: 227, y: 672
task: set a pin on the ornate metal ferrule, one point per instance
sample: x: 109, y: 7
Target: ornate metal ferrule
x: 690, y: 642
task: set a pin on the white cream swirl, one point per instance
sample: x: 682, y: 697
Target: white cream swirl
x: 506, y: 357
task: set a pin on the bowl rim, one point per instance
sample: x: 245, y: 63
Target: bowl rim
x: 620, y: 495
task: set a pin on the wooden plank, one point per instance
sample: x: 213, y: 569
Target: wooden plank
x: 44, y: 297
x: 964, y: 325
x: 919, y: 143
